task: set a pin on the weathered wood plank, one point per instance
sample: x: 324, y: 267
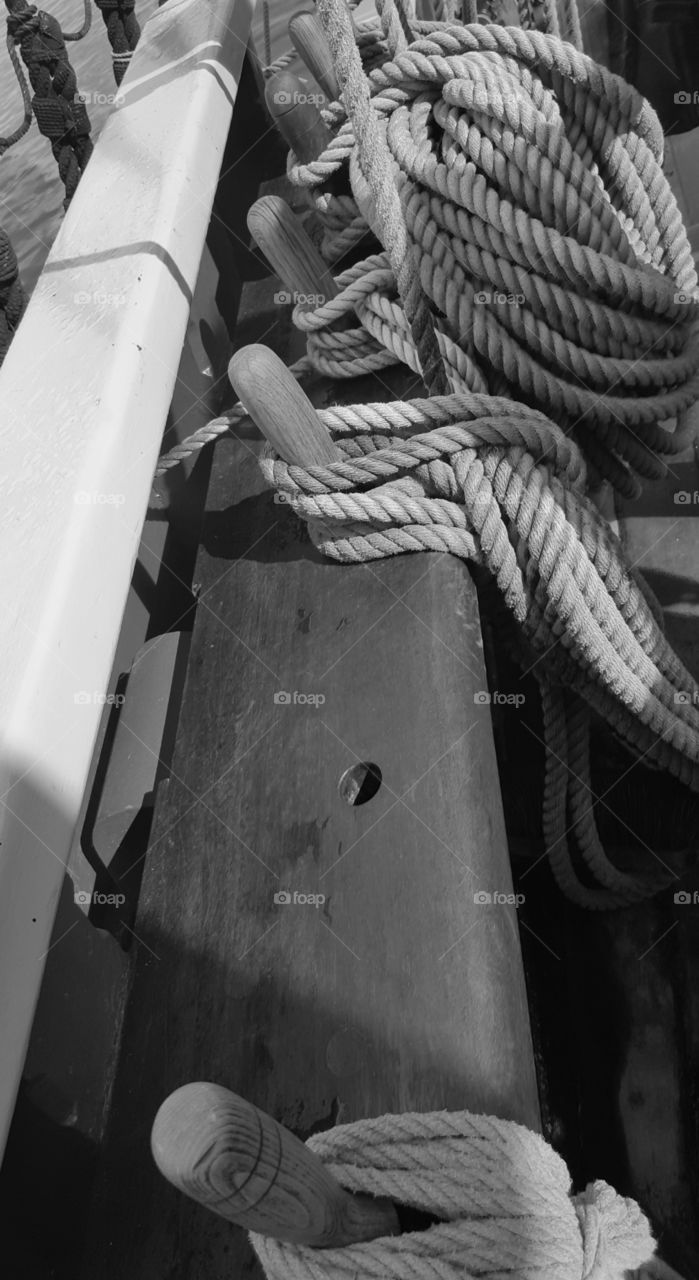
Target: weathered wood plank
x: 395, y: 992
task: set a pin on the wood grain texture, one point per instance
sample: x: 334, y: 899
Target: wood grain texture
x: 239, y: 1162
x: 327, y: 961
x: 280, y: 407
x: 296, y: 116
x: 289, y: 249
x: 309, y: 41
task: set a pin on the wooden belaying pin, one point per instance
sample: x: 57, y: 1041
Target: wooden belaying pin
x: 296, y: 115
x: 238, y: 1161
x: 309, y: 41
x: 282, y: 411
x: 289, y: 249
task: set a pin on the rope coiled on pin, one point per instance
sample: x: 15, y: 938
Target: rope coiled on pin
x: 60, y: 114
x: 500, y: 485
x: 545, y: 234
x: 502, y: 1194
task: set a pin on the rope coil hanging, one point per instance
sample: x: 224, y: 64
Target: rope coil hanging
x: 502, y: 1194
x: 60, y: 114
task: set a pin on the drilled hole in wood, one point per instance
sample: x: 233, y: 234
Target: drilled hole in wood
x: 360, y: 783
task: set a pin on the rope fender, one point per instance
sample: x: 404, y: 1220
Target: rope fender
x: 123, y: 30
x: 12, y: 296
x: 504, y: 1197
x: 60, y: 114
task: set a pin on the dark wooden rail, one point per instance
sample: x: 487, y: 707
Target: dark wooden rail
x: 310, y: 933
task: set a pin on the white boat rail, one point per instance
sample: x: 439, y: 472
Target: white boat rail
x: 84, y: 396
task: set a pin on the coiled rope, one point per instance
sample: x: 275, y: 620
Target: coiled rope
x: 502, y: 1194
x: 494, y: 481
x: 502, y: 485
x: 550, y: 243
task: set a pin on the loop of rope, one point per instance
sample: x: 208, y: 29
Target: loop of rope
x: 19, y: 132
x: 503, y: 1197
x: 87, y: 23
x: 60, y: 114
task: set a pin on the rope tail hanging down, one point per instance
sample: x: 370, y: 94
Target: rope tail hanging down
x: 480, y: 475
x: 380, y: 191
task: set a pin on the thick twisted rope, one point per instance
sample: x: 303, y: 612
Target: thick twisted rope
x: 548, y: 238
x: 60, y: 114
x: 12, y: 296
x: 123, y: 31
x: 503, y: 1197
x: 372, y: 159
x: 492, y: 481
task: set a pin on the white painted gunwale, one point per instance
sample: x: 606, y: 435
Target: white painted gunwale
x: 84, y: 396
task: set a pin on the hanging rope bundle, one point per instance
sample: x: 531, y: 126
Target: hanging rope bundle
x: 123, y: 30
x: 60, y: 114
x: 502, y: 1194
x: 12, y: 297
x: 549, y: 241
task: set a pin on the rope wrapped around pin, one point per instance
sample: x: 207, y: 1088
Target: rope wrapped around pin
x: 315, y: 168
x: 498, y: 483
x: 546, y: 237
x: 435, y: 1196
x: 503, y: 487
x: 378, y: 40
x: 502, y: 1194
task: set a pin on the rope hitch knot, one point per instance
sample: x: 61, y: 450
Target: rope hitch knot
x: 500, y: 485
x: 503, y: 1195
